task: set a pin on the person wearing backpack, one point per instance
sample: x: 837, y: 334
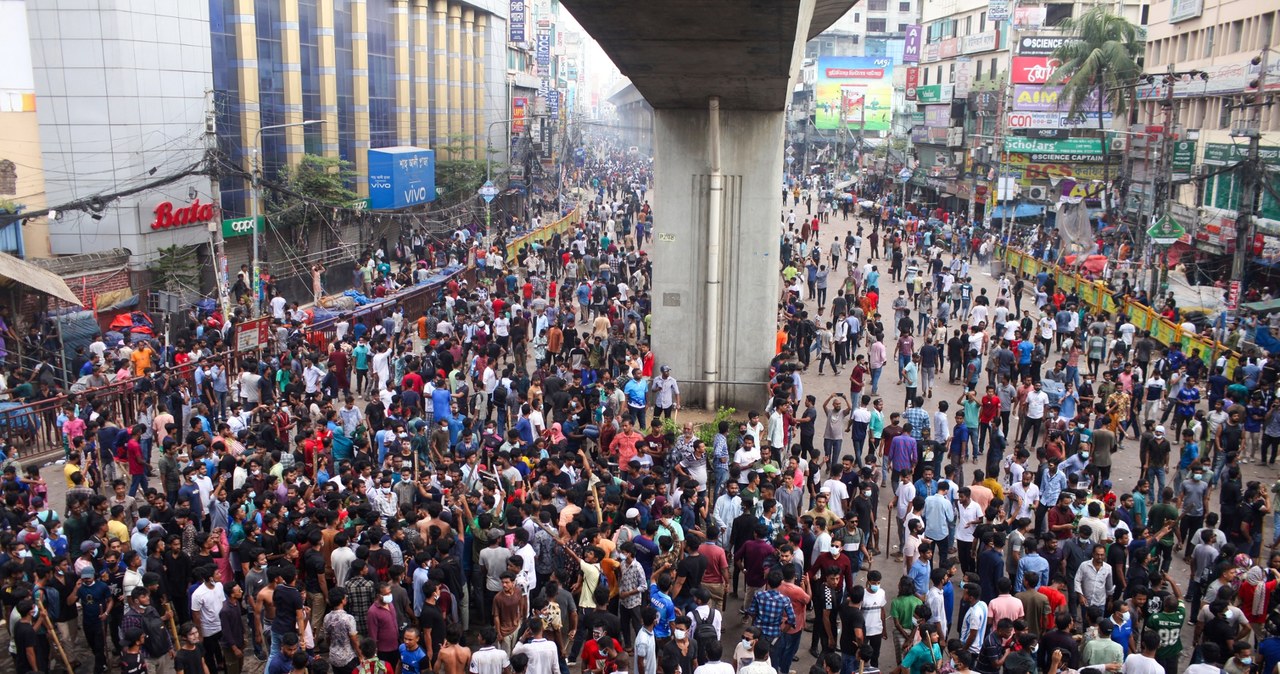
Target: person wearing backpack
x: 706, y: 622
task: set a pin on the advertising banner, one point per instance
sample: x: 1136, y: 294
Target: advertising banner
x: 919, y: 134
x: 1033, y: 69
x: 1064, y: 151
x: 519, y: 114
x: 979, y: 43
x: 1029, y: 17
x: 1050, y: 99
x: 937, y: 115
x: 913, y: 81
x: 542, y: 50
x: 998, y: 10
x: 516, y: 22
x: 984, y: 103
x: 1040, y: 45
x: 949, y: 48
x: 232, y: 227
x: 401, y: 176
x: 1053, y: 120
x: 930, y: 53
x: 911, y: 49
x: 1185, y: 9
x: 964, y: 76
x: 1184, y: 156
x: 936, y: 93
x: 854, y: 92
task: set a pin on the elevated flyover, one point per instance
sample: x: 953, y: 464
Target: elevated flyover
x: 719, y: 74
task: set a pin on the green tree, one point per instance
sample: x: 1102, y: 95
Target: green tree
x: 1103, y: 57
x: 176, y: 269
x: 458, y: 178
x: 315, y: 179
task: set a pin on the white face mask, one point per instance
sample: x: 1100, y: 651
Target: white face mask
x: 679, y: 634
x: 387, y: 599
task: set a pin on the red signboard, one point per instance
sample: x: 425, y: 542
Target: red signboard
x: 1033, y: 69
x: 913, y: 81
x: 1233, y: 295
x: 167, y: 217
x: 253, y: 335
x: 519, y: 106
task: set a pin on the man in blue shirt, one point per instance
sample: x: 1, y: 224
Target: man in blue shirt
x: 659, y: 587
x: 637, y: 400
x: 919, y: 571
x: 1031, y: 564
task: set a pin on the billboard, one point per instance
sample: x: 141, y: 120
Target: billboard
x: 519, y: 112
x: 911, y: 49
x: 401, y: 176
x: 854, y: 92
x: 1040, y: 45
x: 516, y: 24
x: 1033, y: 69
x: 913, y: 81
x: 1031, y: 98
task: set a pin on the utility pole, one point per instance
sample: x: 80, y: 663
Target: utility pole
x: 1162, y: 194
x: 216, y: 243
x: 1250, y: 170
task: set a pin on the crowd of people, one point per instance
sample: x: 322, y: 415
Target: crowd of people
x: 502, y: 483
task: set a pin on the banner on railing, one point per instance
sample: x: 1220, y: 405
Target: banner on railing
x: 543, y: 234
x: 1099, y: 298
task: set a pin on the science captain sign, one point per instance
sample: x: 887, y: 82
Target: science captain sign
x: 401, y: 176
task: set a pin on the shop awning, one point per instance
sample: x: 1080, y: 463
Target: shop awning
x: 23, y: 273
x: 1262, y: 307
x: 1019, y: 211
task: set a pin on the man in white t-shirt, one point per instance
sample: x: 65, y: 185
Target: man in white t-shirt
x: 1033, y: 415
x: 838, y: 493
x: 206, y: 605
x: 1144, y: 662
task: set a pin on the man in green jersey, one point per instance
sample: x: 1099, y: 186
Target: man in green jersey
x: 1167, y: 622
x: 1161, y: 513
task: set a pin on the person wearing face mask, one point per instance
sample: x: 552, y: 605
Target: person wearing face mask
x: 383, y: 627
x: 677, y: 655
x: 1192, y: 503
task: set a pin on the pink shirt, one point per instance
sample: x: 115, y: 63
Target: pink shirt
x: 799, y: 600
x: 1006, y: 606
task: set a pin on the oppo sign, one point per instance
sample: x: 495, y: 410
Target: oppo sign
x: 233, y: 227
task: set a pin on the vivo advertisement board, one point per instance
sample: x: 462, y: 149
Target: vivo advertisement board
x: 401, y: 176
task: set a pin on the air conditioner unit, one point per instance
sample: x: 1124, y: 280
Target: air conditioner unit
x: 1119, y: 144
x: 1037, y: 193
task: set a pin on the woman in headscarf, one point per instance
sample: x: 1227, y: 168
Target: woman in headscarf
x: 1255, y: 592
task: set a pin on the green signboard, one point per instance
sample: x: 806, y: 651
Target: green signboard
x: 232, y: 227
x: 935, y: 93
x: 1166, y: 231
x: 917, y: 118
x: 1218, y: 154
x: 1184, y: 156
x: 1076, y: 146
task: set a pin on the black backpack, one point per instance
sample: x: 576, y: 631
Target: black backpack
x: 704, y: 630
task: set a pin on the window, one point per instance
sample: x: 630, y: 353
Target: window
x: 993, y: 68
x: 925, y: 74
x: 857, y: 17
x: 982, y: 22
x: 955, y: 28
x: 875, y: 25
x: 938, y: 72
x: 968, y: 25
x: 902, y: 27
x: 877, y: 5
x: 1055, y: 14
x: 951, y: 77
x: 904, y: 6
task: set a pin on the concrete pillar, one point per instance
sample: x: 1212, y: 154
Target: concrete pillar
x: 440, y: 75
x: 466, y: 106
x: 291, y: 48
x: 751, y: 160
x: 455, y: 77
x: 360, y: 85
x: 328, y: 54
x: 421, y: 79
x: 403, y: 72
x: 479, y: 83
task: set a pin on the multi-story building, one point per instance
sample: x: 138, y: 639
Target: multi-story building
x: 129, y: 88
x: 1208, y: 130
x: 982, y: 79
x: 21, y: 172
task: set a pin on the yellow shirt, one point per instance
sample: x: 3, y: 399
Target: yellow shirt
x: 117, y: 530
x: 67, y: 470
x: 141, y: 361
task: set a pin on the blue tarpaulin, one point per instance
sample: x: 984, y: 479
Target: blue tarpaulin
x: 1020, y: 211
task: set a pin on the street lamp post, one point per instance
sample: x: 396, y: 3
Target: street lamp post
x: 255, y: 186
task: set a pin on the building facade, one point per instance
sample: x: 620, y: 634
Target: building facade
x: 1208, y: 133
x: 21, y: 166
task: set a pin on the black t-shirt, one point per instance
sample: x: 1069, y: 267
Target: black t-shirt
x: 288, y: 602
x: 432, y: 619
x: 851, y: 618
x: 810, y: 415
x: 24, y: 637
x: 672, y: 661
x: 313, y: 565
x: 189, y: 661
x: 691, y: 570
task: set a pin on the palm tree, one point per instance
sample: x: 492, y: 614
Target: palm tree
x: 1101, y: 61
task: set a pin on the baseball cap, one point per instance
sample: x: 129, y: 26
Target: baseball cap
x: 87, y: 572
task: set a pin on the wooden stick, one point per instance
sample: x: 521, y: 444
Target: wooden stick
x: 53, y: 634
x: 173, y: 623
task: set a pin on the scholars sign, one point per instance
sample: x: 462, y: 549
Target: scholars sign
x: 1069, y: 150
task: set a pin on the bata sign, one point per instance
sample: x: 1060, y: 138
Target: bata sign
x: 167, y: 217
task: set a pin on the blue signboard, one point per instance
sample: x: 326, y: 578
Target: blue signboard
x: 542, y: 52
x: 401, y: 176
x: 517, y: 21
